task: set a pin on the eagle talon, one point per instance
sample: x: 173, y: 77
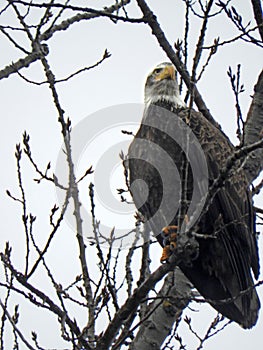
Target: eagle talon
x: 169, y: 234
x: 166, y: 253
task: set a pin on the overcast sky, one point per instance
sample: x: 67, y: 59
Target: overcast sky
x: 92, y: 96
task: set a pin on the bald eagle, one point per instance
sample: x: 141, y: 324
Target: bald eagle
x: 173, y: 161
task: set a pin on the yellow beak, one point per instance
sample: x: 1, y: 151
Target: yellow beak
x: 167, y: 72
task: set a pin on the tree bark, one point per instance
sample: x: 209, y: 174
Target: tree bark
x: 173, y: 297
x: 254, y: 132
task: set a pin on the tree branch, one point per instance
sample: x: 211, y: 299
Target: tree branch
x: 16, y: 329
x: 23, y: 62
x: 175, y: 295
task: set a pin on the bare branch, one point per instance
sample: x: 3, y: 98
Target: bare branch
x: 62, y: 80
x: 23, y: 62
x: 230, y: 41
x: 237, y: 20
x: 25, y: 217
x: 9, y: 37
x: 237, y: 89
x: 16, y: 329
x: 51, y: 236
x: 200, y: 42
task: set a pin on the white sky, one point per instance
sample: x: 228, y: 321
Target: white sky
x: 119, y: 80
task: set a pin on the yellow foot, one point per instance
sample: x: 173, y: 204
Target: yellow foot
x: 169, y: 234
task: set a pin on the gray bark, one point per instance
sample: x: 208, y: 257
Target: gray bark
x: 254, y: 132
x: 173, y: 297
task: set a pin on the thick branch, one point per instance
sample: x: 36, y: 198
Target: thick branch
x: 79, y: 17
x: 254, y: 131
x: 21, y: 63
x: 155, y: 330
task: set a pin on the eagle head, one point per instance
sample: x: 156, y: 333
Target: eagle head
x: 162, y: 86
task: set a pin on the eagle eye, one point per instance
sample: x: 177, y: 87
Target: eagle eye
x: 157, y: 70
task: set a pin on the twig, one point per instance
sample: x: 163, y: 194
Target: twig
x: 16, y: 329
x: 237, y: 89
x: 203, y: 10
x: 172, y: 334
x: 14, y: 198
x: 9, y: 37
x: 4, y: 9
x: 58, y: 15
x: 45, y: 18
x: 212, y: 326
x: 188, y: 321
x: 186, y: 35
x: 21, y: 20
x: 51, y: 236
x: 237, y: 20
x: 18, y: 155
x: 213, y: 50
x: 230, y: 41
x: 4, y: 307
x: 198, y: 52
x: 62, y: 80
x: 128, y: 274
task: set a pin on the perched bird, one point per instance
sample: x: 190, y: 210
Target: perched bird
x: 174, y: 159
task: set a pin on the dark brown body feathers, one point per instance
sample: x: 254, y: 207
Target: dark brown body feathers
x: 223, y: 267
